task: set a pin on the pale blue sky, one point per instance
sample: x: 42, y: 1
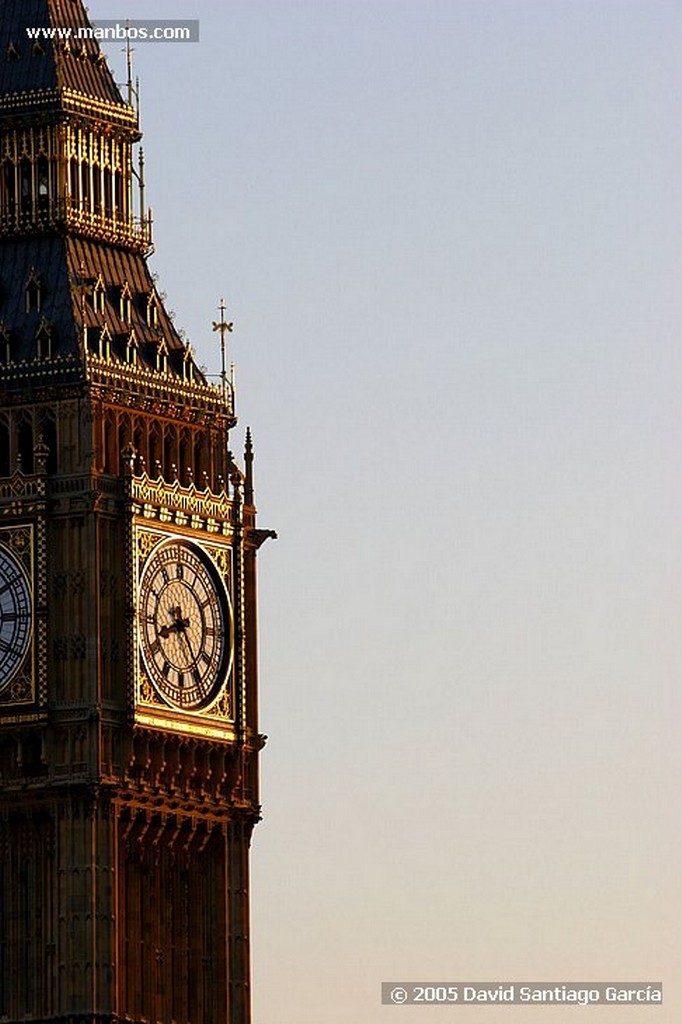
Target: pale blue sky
x: 449, y: 235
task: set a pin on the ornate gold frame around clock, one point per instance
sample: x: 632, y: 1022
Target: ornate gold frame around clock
x: 217, y: 720
x: 19, y: 539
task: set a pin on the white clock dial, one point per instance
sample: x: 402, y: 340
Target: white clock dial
x: 184, y: 625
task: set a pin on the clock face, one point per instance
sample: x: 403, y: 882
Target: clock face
x: 15, y: 616
x: 184, y: 625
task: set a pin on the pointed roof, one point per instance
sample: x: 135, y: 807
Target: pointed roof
x: 45, y: 64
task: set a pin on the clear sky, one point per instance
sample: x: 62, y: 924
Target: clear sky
x: 449, y: 234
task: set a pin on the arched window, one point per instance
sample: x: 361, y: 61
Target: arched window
x: 44, y: 340
x: 188, y: 364
x: 119, y: 208
x: 5, y: 457
x: 75, y: 183
x: 125, y: 306
x: 131, y: 349
x: 200, y: 463
x: 154, y: 468
x: 26, y: 186
x: 108, y: 197
x: 43, y: 184
x: 152, y: 310
x: 85, y: 187
x: 110, y: 454
x: 50, y: 440
x: 139, y: 443
x: 103, y: 343
x: 96, y: 190
x: 123, y: 441
x: 168, y: 456
x: 34, y: 292
x: 98, y: 295
x: 185, y: 470
x: 9, y: 192
x: 25, y: 446
x: 162, y: 356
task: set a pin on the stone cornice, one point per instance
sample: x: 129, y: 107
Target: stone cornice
x: 54, y: 372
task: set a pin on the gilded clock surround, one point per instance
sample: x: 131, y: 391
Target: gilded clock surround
x: 17, y: 613
x: 24, y: 697
x: 184, y: 625
x: 149, y: 693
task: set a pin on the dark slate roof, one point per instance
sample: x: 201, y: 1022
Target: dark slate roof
x: 79, y: 65
x: 61, y: 266
x: 17, y: 260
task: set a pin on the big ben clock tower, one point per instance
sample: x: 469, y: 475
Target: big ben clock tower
x: 128, y: 653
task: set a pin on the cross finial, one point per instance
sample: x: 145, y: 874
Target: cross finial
x: 225, y: 327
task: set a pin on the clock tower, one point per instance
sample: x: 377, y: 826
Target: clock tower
x: 128, y: 652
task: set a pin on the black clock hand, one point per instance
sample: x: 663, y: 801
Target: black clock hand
x: 184, y: 636
x: 178, y: 626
